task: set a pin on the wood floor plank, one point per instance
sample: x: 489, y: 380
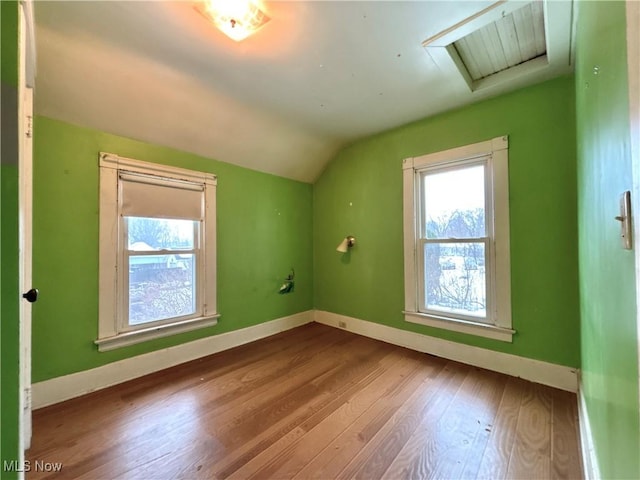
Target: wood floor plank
x: 497, y: 454
x: 440, y: 447
x: 283, y: 387
x: 126, y: 398
x: 310, y: 398
x: 271, y: 457
x: 287, y: 463
x: 334, y: 458
x: 376, y: 456
x: 565, y: 450
x: 531, y: 455
x: 485, y: 414
x: 312, y: 402
x: 350, y: 377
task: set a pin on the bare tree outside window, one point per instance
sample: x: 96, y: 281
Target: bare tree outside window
x: 152, y: 231
x: 454, y: 247
x: 162, y: 280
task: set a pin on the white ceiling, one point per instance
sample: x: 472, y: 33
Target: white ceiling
x: 319, y: 75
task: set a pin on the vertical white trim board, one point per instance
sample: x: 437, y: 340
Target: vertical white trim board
x: 590, y: 467
x: 63, y: 388
x: 558, y: 376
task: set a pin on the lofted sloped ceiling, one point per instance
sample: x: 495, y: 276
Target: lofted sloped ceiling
x: 318, y: 76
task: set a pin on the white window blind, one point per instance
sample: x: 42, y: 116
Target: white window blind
x: 151, y: 196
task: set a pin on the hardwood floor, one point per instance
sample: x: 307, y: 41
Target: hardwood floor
x: 313, y: 402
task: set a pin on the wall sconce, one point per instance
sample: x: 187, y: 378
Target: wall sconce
x: 346, y: 244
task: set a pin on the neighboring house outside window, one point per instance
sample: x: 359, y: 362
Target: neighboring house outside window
x: 456, y: 231
x: 157, y: 251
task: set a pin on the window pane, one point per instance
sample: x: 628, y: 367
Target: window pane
x: 454, y: 203
x: 455, y: 278
x: 145, y: 234
x: 161, y: 287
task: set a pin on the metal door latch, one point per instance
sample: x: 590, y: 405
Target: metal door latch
x: 625, y: 219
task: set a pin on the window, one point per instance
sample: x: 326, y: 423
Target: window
x: 157, y: 251
x: 456, y: 229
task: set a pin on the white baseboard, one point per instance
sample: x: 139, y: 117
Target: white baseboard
x: 590, y: 466
x: 63, y: 388
x: 559, y: 376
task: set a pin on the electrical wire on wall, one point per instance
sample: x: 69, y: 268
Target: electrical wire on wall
x: 287, y: 286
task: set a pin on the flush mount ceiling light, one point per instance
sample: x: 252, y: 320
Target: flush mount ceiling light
x: 235, y: 18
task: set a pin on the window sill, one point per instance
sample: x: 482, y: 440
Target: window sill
x: 462, y: 326
x: 151, y: 333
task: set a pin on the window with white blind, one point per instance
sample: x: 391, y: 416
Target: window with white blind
x: 157, y: 251
x: 456, y: 227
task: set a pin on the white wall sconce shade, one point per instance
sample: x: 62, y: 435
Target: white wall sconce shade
x: 346, y: 244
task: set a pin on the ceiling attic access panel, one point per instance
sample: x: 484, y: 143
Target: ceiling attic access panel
x: 509, y: 41
x: 508, y: 44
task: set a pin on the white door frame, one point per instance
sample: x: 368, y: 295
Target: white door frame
x: 26, y: 80
x: 633, y: 62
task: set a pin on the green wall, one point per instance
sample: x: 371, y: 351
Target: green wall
x: 264, y: 229
x: 360, y: 193
x: 9, y: 41
x: 9, y: 320
x: 607, y: 278
x: 268, y: 224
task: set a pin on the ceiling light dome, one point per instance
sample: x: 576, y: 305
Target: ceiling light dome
x: 236, y: 18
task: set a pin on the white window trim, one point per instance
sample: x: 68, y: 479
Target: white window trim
x: 498, y: 168
x: 109, y: 336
